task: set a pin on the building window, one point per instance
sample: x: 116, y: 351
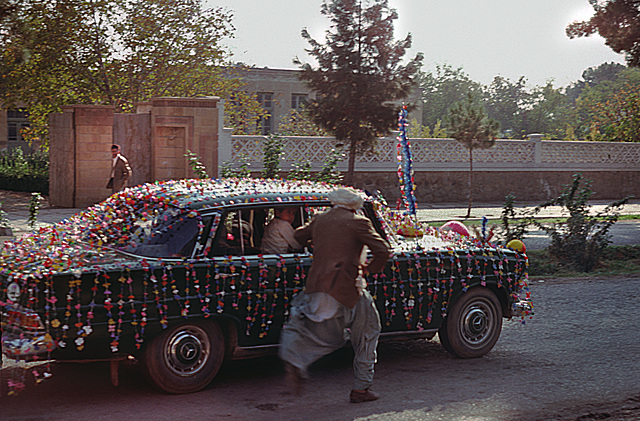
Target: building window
x: 16, y: 121
x: 266, y: 101
x: 298, y: 101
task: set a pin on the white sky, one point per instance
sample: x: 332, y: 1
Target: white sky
x: 510, y: 38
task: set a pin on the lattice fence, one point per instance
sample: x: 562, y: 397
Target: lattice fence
x: 440, y: 154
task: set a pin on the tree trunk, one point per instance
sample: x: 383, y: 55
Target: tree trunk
x: 470, y: 186
x: 348, y: 178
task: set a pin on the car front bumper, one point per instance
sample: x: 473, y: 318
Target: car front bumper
x: 24, y: 336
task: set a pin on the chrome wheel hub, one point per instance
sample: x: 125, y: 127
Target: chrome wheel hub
x: 187, y: 351
x: 477, y: 323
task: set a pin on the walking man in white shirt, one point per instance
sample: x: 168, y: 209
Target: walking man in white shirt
x: 120, y: 170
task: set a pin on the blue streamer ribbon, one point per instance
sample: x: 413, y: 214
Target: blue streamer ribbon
x: 405, y: 164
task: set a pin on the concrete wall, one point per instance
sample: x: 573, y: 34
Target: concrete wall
x: 494, y: 186
x: 157, y: 137
x: 178, y: 125
x: 62, y: 159
x: 80, y: 142
x: 154, y: 141
x: 534, y: 170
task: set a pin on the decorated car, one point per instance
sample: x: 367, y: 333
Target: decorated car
x: 173, y: 274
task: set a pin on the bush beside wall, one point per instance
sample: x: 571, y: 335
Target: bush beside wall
x: 24, y: 172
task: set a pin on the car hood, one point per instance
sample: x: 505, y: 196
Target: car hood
x: 52, y: 250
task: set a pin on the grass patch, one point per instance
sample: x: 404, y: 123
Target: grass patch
x: 616, y: 260
x: 498, y: 222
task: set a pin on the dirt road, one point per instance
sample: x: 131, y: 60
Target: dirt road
x: 576, y: 358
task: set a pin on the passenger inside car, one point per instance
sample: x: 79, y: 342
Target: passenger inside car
x: 278, y: 234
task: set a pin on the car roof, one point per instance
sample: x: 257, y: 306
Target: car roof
x: 201, y: 194
x: 225, y: 192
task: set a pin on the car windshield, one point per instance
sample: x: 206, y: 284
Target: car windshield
x: 144, y: 227
x: 170, y: 234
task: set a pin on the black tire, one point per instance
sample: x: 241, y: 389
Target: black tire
x: 444, y: 338
x: 473, y: 325
x: 185, y: 358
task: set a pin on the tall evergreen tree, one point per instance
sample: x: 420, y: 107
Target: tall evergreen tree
x: 469, y: 125
x: 359, y: 73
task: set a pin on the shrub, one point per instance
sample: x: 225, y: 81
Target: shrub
x: 300, y: 171
x: 242, y: 169
x: 196, y: 166
x: 4, y: 221
x: 271, y: 155
x: 24, y: 172
x: 329, y: 172
x: 581, y: 240
x: 34, y: 209
x: 514, y: 224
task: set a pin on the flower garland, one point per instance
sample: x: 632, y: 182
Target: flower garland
x: 137, y: 293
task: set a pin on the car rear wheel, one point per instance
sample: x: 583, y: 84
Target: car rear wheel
x: 185, y: 358
x: 473, y: 325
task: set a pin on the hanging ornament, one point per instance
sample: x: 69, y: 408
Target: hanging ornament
x: 405, y: 162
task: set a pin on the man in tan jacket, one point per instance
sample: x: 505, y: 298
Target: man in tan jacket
x: 120, y: 170
x: 335, y: 300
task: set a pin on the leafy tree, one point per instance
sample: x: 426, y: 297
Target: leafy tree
x: 618, y: 22
x: 299, y: 123
x: 605, y: 107
x: 441, y: 89
x: 550, y: 112
x: 118, y: 53
x: 594, y: 76
x: 469, y: 125
x: 359, y: 73
x: 618, y: 119
x: 506, y: 102
x: 418, y: 131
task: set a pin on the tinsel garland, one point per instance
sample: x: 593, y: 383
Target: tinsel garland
x: 405, y: 164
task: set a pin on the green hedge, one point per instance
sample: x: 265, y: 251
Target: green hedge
x: 28, y: 172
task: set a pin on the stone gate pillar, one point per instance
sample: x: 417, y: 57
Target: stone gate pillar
x: 80, y: 155
x: 178, y: 125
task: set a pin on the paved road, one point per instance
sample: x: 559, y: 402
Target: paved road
x: 576, y: 358
x: 625, y: 232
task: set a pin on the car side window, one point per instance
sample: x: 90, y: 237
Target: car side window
x: 236, y: 234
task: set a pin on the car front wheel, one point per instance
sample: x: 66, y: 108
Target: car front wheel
x: 473, y: 325
x: 185, y: 358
